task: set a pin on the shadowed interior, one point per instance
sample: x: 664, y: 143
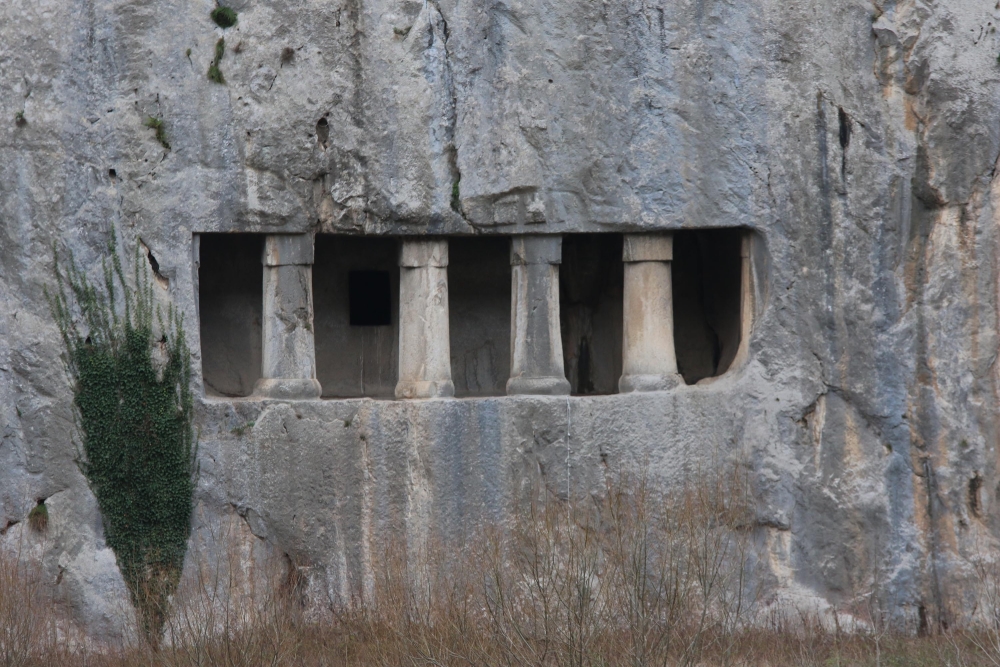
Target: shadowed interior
x: 230, y: 304
x: 591, y: 278
x: 479, y: 296
x: 706, y: 285
x: 356, y: 306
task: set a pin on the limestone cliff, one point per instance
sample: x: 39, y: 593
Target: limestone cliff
x: 858, y: 139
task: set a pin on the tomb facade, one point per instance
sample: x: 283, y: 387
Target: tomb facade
x: 453, y: 253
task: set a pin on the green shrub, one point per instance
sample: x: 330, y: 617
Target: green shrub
x: 224, y: 17
x: 161, y: 133
x: 135, y: 422
x: 38, y: 517
x: 456, y: 196
x: 214, y: 73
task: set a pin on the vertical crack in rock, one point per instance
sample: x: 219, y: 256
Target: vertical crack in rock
x: 825, y: 237
x: 845, y: 141
x: 452, y: 121
x: 438, y: 74
x: 358, y: 114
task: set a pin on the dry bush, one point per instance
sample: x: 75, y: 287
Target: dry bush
x: 30, y: 632
x: 21, y: 624
x: 232, y: 608
x: 632, y: 577
x: 986, y: 635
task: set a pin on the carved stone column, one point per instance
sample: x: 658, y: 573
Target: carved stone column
x: 649, y: 362
x: 289, y: 349
x: 536, y: 359
x: 746, y: 300
x: 424, y: 343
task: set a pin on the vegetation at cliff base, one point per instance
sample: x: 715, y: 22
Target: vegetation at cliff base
x: 131, y: 372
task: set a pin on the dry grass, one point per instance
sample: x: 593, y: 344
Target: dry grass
x: 635, y: 578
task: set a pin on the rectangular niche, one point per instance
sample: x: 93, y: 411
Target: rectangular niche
x: 230, y: 304
x: 706, y: 274
x: 356, y: 306
x: 479, y: 284
x: 591, y: 280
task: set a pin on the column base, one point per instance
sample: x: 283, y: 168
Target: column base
x: 630, y: 383
x: 291, y: 389
x: 425, y: 389
x: 538, y: 386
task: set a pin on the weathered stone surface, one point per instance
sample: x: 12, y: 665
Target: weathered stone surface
x: 288, y: 365
x: 424, y: 339
x: 858, y: 139
x: 536, y: 354
x: 648, y: 359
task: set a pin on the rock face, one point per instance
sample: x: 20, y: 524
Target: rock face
x: 857, y: 139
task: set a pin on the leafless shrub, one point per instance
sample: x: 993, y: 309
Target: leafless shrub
x: 986, y: 634
x: 29, y: 630
x: 633, y: 577
x: 232, y: 607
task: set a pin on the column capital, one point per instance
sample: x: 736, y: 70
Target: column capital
x: 648, y: 248
x: 288, y: 250
x: 535, y: 249
x: 418, y: 252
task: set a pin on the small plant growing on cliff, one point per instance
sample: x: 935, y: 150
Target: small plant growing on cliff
x: 456, y: 195
x: 38, y: 517
x: 287, y: 55
x: 242, y: 429
x: 214, y: 72
x: 161, y: 133
x: 131, y: 371
x: 224, y: 17
x: 19, y: 119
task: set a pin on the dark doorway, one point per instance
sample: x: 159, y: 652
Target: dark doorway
x: 706, y: 274
x: 230, y: 303
x: 356, y: 301
x: 370, y: 297
x: 591, y: 280
x: 479, y: 318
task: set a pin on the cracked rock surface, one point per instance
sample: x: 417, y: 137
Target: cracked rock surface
x: 859, y: 139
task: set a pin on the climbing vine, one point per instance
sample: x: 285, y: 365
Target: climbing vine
x: 132, y: 375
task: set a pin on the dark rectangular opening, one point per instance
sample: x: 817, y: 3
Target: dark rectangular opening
x: 479, y: 286
x: 591, y: 280
x: 230, y: 304
x: 356, y: 301
x: 706, y: 274
x: 370, y: 298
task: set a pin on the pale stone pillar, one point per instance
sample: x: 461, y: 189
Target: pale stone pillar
x: 649, y: 362
x: 536, y: 353
x: 424, y: 343
x: 746, y: 300
x: 289, y: 349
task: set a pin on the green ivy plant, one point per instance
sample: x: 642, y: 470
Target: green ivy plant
x: 131, y: 368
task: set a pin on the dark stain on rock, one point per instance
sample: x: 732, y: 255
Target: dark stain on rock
x: 845, y: 140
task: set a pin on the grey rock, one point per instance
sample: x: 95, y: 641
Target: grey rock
x: 858, y: 140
